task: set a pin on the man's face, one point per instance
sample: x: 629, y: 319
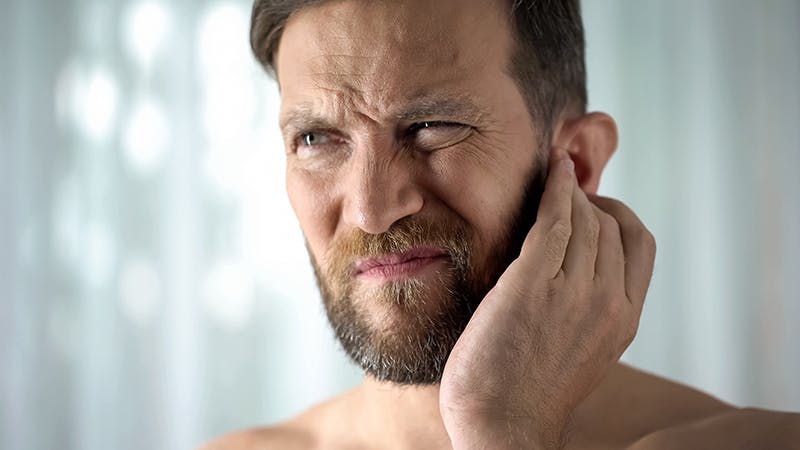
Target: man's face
x: 412, y: 165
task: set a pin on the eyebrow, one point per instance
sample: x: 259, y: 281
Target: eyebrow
x: 426, y: 107
x: 303, y: 116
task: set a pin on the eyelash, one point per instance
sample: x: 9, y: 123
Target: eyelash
x: 415, y: 127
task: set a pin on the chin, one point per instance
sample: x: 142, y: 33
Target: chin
x: 392, y: 304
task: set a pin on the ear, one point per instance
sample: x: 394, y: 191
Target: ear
x: 590, y: 140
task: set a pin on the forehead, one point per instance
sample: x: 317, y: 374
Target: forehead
x: 376, y: 54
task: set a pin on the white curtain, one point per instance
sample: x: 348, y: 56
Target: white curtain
x: 154, y: 288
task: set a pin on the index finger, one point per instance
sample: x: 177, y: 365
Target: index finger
x: 546, y: 242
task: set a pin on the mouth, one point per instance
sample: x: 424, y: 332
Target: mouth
x: 400, y: 265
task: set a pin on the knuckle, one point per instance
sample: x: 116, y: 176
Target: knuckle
x: 593, y: 233
x: 553, y: 250
x: 639, y: 231
x: 556, y: 240
x: 561, y: 229
x: 550, y: 289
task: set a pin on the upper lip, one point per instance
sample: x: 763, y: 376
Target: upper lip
x: 391, y: 259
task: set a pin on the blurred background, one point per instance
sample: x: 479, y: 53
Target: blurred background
x: 154, y: 287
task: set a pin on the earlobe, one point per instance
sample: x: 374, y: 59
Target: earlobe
x: 590, y: 140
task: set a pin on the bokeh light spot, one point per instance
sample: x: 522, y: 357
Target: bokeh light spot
x: 87, y: 99
x: 96, y: 102
x: 146, y: 25
x: 146, y: 137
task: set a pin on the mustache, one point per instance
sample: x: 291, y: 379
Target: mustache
x: 451, y: 235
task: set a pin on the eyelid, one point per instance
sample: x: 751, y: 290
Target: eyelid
x: 414, y: 127
x: 448, y: 134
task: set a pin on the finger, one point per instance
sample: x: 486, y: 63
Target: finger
x: 610, y: 265
x: 547, y: 241
x: 581, y: 253
x: 639, y: 248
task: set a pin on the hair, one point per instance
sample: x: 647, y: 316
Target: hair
x: 547, y: 62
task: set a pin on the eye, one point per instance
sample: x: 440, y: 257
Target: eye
x: 313, y: 138
x: 435, y: 135
x: 316, y: 143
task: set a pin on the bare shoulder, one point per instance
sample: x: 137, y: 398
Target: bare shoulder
x: 284, y: 436
x: 641, y: 411
x: 629, y: 404
x: 318, y: 427
x: 745, y: 429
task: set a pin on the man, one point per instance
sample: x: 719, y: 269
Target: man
x: 443, y: 170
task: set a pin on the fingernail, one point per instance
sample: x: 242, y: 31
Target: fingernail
x: 568, y: 165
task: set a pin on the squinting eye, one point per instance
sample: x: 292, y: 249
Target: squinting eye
x: 436, y: 135
x: 432, y: 124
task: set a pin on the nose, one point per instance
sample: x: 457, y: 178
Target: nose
x: 379, y: 190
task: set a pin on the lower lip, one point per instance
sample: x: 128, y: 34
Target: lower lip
x: 403, y: 270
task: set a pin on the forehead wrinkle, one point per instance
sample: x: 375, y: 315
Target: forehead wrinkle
x: 341, y: 66
x: 360, y: 68
x: 363, y: 39
x: 411, y: 27
x: 360, y: 38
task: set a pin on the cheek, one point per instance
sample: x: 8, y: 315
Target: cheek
x: 478, y: 198
x: 313, y: 205
x: 483, y: 182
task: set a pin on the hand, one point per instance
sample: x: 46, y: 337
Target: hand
x: 558, y: 318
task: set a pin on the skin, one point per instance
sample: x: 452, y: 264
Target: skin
x: 537, y: 366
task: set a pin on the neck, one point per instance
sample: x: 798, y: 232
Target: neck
x: 402, y: 416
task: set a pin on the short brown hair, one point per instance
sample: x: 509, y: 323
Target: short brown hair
x: 547, y: 62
